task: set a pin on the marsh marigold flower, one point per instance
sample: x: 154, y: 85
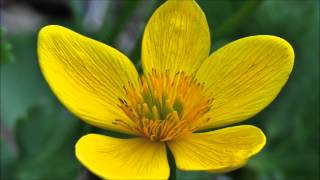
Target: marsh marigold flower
x: 183, y: 90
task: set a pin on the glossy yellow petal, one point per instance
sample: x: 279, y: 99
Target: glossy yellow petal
x: 245, y: 76
x: 113, y: 158
x: 86, y: 75
x: 217, y: 151
x: 176, y: 38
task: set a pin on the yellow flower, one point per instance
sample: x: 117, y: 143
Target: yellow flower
x: 183, y: 90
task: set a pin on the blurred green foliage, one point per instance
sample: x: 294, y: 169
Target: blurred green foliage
x: 5, y: 48
x: 38, y: 135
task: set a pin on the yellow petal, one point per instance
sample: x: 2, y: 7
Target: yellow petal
x: 245, y: 76
x: 86, y: 75
x: 176, y: 38
x: 217, y: 151
x: 113, y: 158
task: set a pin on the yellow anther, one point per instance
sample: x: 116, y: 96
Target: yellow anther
x: 164, y: 108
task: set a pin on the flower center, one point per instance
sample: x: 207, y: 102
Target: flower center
x: 164, y: 108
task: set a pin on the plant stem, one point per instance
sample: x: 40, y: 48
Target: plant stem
x: 172, y: 165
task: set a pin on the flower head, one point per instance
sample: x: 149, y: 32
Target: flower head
x: 183, y: 90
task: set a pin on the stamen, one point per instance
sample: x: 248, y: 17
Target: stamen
x: 163, y: 108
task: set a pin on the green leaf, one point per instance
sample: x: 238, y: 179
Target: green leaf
x: 232, y: 24
x: 125, y: 9
x: 8, y: 158
x: 77, y: 9
x: 291, y: 122
x: 5, y: 48
x: 217, y: 12
x: 46, y: 139
x: 194, y: 175
x: 22, y: 84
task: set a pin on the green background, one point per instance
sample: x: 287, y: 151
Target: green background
x: 38, y: 134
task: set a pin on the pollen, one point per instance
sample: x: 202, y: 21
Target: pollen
x: 163, y: 108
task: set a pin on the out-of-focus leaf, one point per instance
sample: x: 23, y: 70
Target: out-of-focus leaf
x: 125, y: 12
x: 292, y: 121
x: 243, y: 13
x: 77, y: 8
x: 194, y: 175
x: 217, y: 12
x: 5, y: 48
x: 8, y: 157
x: 22, y: 84
x: 137, y: 25
x: 224, y: 17
x: 46, y: 139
